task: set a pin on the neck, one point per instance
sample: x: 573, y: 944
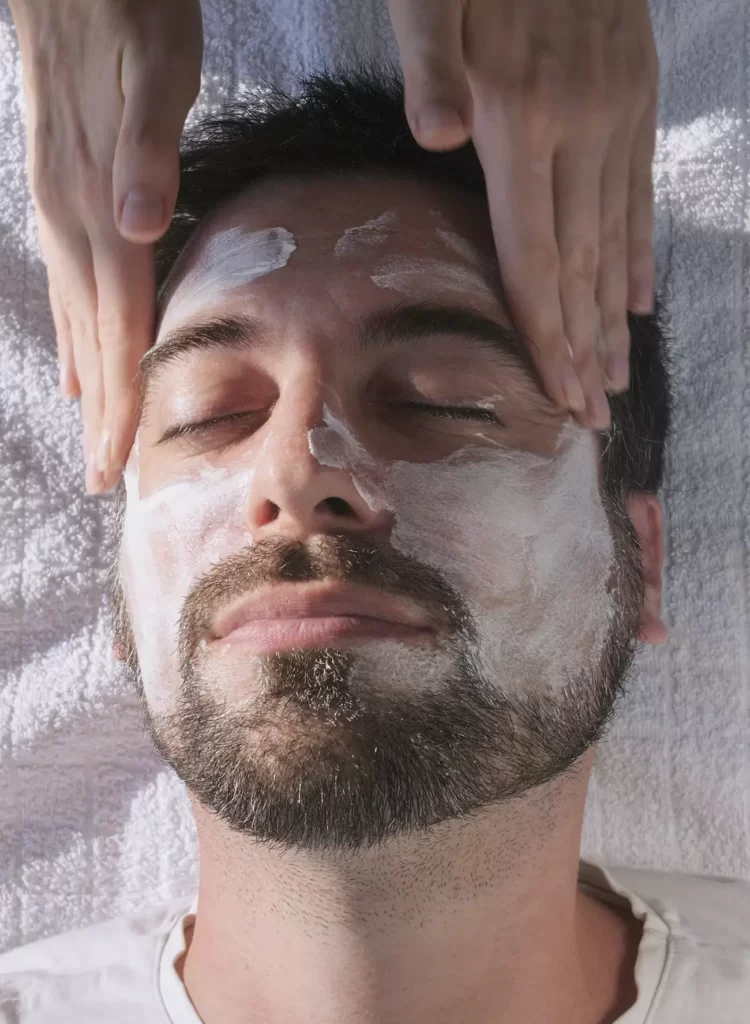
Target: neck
x: 458, y: 923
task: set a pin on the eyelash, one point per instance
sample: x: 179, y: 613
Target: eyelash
x: 457, y: 412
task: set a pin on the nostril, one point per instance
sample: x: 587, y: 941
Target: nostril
x: 339, y: 507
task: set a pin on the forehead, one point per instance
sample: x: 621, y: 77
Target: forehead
x: 338, y: 264
x: 340, y: 221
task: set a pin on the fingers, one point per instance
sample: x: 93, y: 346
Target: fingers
x: 641, y: 215
x: 612, y: 287
x: 517, y: 165
x: 72, y: 293
x: 77, y: 294
x: 125, y: 293
x: 577, y: 184
x: 146, y: 169
x: 437, y: 95
x: 70, y: 386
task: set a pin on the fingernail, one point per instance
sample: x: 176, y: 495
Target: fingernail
x: 599, y: 411
x: 572, y: 389
x: 436, y: 121
x: 618, y: 372
x: 142, y: 211
x: 102, y: 451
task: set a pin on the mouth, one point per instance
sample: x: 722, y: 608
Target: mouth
x: 284, y: 616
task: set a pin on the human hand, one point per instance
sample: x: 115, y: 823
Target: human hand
x: 108, y: 86
x: 560, y: 99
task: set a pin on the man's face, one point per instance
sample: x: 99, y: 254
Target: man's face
x: 370, y: 438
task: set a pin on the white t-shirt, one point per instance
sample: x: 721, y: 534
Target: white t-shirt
x: 693, y: 963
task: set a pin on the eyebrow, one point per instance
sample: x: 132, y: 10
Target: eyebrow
x: 379, y: 329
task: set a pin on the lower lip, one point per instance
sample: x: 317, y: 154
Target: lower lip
x: 264, y: 635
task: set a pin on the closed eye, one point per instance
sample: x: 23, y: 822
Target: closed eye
x: 202, y: 426
x: 457, y: 412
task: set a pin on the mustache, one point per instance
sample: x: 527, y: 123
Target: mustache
x: 335, y: 557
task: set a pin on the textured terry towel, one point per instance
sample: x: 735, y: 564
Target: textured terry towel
x: 91, y: 824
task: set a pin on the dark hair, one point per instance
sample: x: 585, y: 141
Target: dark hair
x: 354, y: 121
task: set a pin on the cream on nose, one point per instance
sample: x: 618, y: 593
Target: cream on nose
x: 334, y: 444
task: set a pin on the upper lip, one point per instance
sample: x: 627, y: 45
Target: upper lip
x: 304, y: 600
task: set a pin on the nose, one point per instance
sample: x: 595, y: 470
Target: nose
x: 293, y: 495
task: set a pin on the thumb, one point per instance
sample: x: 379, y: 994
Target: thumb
x: 438, y: 103
x: 146, y: 170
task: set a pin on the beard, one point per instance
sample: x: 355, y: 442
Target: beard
x: 327, y: 753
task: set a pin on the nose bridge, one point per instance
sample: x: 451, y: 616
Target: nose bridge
x: 292, y: 491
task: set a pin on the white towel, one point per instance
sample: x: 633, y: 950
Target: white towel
x: 91, y: 824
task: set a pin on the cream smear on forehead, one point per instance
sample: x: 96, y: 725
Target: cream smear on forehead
x: 400, y: 271
x: 366, y: 236
x: 523, y: 538
x: 230, y: 260
x: 403, y: 273
x: 456, y: 242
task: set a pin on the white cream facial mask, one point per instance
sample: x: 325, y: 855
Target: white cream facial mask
x: 456, y: 242
x: 169, y: 539
x: 523, y: 538
x: 404, y: 273
x: 366, y: 236
x: 401, y: 272
x: 231, y: 259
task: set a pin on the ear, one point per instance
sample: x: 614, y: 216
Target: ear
x: 645, y: 514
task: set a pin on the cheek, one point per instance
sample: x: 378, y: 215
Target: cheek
x: 527, y: 543
x: 507, y: 524
x: 170, y: 539
x: 469, y: 521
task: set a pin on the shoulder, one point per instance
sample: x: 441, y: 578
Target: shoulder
x: 105, y: 971
x: 694, y: 959
x: 710, y: 909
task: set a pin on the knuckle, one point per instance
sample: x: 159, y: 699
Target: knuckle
x: 614, y: 234
x: 545, y: 75
x: 534, y: 92
x: 84, y: 337
x: 594, y: 96
x: 587, y: 365
x: 94, y: 189
x: 538, y: 105
x: 113, y: 330
x: 582, y: 340
x: 544, y: 259
x: 581, y: 265
x: 537, y: 135
x: 549, y: 345
x: 141, y: 136
x: 595, y: 108
x: 428, y: 62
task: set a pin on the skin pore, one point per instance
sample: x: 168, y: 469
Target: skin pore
x: 398, y: 838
